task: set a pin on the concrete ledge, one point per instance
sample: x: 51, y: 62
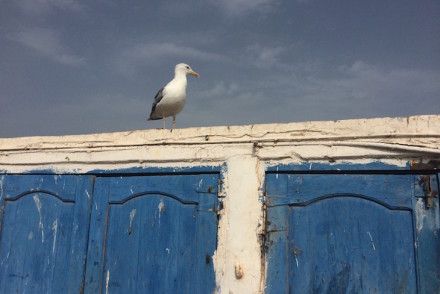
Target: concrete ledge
x: 402, y: 138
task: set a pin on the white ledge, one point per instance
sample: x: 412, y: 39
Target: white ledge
x: 401, y: 138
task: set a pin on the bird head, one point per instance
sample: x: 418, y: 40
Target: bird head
x: 186, y: 69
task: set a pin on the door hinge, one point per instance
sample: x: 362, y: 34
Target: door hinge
x: 428, y: 185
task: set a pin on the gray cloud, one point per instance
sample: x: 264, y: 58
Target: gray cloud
x: 219, y: 90
x: 260, y: 61
x: 42, y: 7
x: 265, y: 57
x: 47, y: 42
x: 356, y: 90
x: 155, y: 53
x: 239, y: 7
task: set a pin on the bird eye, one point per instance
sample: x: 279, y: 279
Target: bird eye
x: 187, y: 67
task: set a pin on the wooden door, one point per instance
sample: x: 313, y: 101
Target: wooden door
x: 153, y: 234
x: 44, y: 222
x: 352, y: 233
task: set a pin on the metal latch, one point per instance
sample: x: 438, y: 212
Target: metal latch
x: 428, y: 183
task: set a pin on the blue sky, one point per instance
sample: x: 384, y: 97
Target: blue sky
x: 77, y: 67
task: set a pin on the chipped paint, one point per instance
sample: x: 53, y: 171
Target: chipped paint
x: 55, y: 230
x: 132, y: 215
x: 87, y: 193
x: 386, y: 139
x: 5, y: 258
x: 425, y: 219
x: 161, y: 208
x: 371, y: 240
x: 40, y: 224
x: 107, y: 279
x: 2, y: 178
x: 239, y: 225
x: 420, y: 212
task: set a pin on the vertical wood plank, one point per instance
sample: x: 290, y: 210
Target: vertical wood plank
x: 277, y: 280
x: 206, y: 239
x: 79, y: 239
x: 94, y: 265
x: 39, y: 240
x: 427, y: 232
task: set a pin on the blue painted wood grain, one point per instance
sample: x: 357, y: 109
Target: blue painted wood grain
x: 427, y: 231
x: 394, y: 190
x: 43, y: 234
x: 350, y: 234
x: 336, y: 167
x: 141, y: 171
x: 153, y: 234
x: 94, y: 271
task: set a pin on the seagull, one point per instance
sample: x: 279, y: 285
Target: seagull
x: 169, y: 101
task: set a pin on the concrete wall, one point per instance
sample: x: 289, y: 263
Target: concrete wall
x: 244, y: 153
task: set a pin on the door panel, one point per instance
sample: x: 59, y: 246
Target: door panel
x: 43, y: 233
x: 349, y: 233
x: 153, y: 234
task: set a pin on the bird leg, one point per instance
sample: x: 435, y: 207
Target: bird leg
x: 163, y: 118
x: 174, y: 121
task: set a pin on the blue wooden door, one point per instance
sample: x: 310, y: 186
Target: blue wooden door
x: 44, y: 222
x: 352, y: 233
x: 153, y: 234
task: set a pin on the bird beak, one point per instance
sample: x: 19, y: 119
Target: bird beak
x: 195, y: 74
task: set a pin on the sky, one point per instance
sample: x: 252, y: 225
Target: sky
x: 79, y: 67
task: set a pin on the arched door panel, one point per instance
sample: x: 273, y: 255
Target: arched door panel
x: 153, y: 234
x: 43, y: 233
x: 350, y: 233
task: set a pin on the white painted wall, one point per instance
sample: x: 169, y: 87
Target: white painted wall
x: 246, y: 151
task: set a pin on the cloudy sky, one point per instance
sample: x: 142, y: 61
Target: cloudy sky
x: 77, y: 66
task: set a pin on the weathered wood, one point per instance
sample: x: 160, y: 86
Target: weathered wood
x: 152, y: 234
x: 43, y: 234
x: 350, y: 233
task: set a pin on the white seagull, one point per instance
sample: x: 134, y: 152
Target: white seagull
x: 169, y: 101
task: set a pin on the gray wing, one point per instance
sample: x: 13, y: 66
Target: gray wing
x: 157, y: 99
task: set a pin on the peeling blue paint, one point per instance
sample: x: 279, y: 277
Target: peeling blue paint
x: 337, y: 167
x: 350, y: 232
x: 84, y: 227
